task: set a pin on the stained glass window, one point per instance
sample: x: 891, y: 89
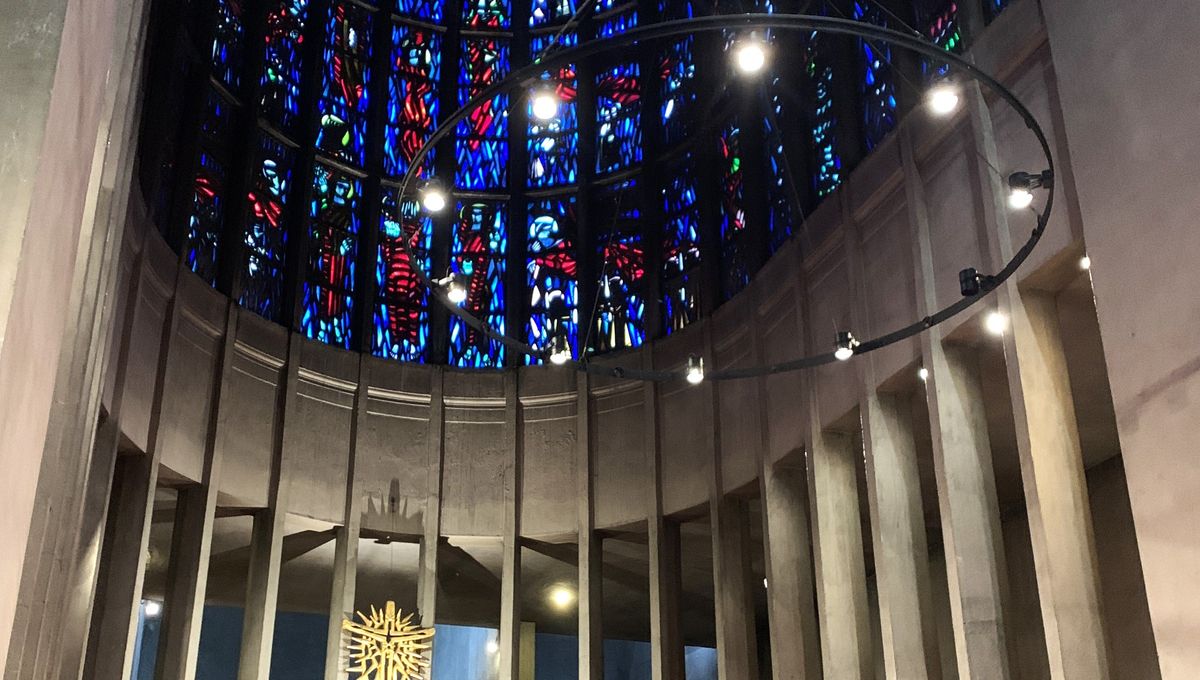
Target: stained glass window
x: 618, y: 118
x: 550, y: 11
x: 482, y: 145
x: 552, y: 144
x: 779, y: 181
x: 265, y: 234
x: 412, y: 108
x: 427, y: 10
x: 477, y: 252
x: 401, y: 315
x: 618, y: 23
x: 877, y: 82
x: 681, y: 247
x: 551, y: 273
x: 827, y: 160
x: 344, y: 101
x: 229, y: 35
x: 334, y: 218
x: 677, y: 75
x: 734, y: 269
x: 942, y: 27
x: 479, y: 14
x: 206, y: 215
x: 620, y: 268
x: 280, y: 81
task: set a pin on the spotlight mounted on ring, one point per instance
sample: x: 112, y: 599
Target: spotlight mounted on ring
x: 433, y: 196
x: 453, y: 286
x: 943, y: 98
x: 750, y: 54
x: 695, y: 369
x: 1022, y: 184
x: 560, y: 348
x: 845, y: 345
x: 544, y: 104
x: 972, y: 283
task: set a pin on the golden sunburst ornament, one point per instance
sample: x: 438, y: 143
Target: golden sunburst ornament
x: 387, y: 645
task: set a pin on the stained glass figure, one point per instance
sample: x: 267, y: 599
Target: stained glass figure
x: 280, y: 82
x: 481, y: 148
x: 620, y: 268
x: 681, y: 247
x: 877, y: 82
x: 334, y: 221
x: 266, y: 235
x: 412, y: 107
x: 229, y: 35
x: 552, y: 273
x: 477, y: 252
x: 618, y: 119
x: 553, y: 144
x: 343, y: 107
x: 401, y: 315
x: 734, y: 234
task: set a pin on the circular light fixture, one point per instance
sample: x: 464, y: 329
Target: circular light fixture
x: 1022, y: 184
x: 562, y: 597
x: 544, y: 104
x: 433, y: 197
x: 1019, y: 199
x: 151, y: 608
x: 1085, y: 263
x: 923, y: 374
x: 750, y: 55
x: 454, y: 288
x: 695, y: 370
x: 996, y: 322
x: 943, y: 99
x: 845, y: 345
x: 493, y: 646
x: 560, y: 349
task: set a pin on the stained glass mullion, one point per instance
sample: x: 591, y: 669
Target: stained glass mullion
x: 516, y: 304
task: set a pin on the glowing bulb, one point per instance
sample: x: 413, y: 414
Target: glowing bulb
x: 456, y: 292
x: 560, y: 350
x: 764, y: 583
x: 433, y: 198
x: 545, y: 105
x: 943, y: 99
x: 845, y: 346
x: 996, y: 323
x: 695, y: 370
x: 562, y: 597
x: 492, y: 646
x: 751, y: 56
x: 1020, y: 198
x: 843, y: 353
x: 1085, y: 263
x: 151, y: 608
x: 923, y: 373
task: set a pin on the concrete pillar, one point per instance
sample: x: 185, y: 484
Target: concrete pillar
x: 795, y: 644
x: 666, y: 642
x: 345, y: 553
x: 510, y: 581
x: 427, y: 574
x: 266, y: 541
x: 1060, y: 520
x: 591, y: 648
x: 528, y: 650
x: 838, y: 547
x: 898, y: 538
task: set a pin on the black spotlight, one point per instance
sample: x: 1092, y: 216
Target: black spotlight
x: 971, y: 282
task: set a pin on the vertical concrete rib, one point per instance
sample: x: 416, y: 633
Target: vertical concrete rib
x: 510, y: 582
x: 666, y: 642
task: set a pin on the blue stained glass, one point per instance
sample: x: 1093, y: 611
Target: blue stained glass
x: 677, y: 75
x: 334, y: 221
x: 827, y: 160
x: 477, y: 252
x: 550, y: 11
x: 487, y: 13
x: 401, y: 315
x: 228, y: 40
x: 681, y: 247
x: 428, y: 10
x: 618, y: 119
x: 877, y: 84
x: 994, y: 8
x: 551, y: 273
x: 676, y: 9
x: 344, y: 93
x: 621, y: 269
x: 207, y: 217
x: 779, y: 198
x: 412, y: 109
x: 266, y: 234
x: 280, y: 81
x: 735, y: 274
x: 617, y: 24
x: 553, y: 144
x: 481, y: 148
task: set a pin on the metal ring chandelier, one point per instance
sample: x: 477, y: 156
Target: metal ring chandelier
x: 975, y: 286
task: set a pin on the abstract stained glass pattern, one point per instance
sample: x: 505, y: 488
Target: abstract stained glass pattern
x: 229, y: 35
x: 477, y: 252
x: 553, y: 144
x: 621, y: 270
x: 618, y: 119
x: 552, y: 273
x: 412, y: 107
x: 677, y: 77
x: 942, y: 27
x: 206, y: 214
x: 265, y: 235
x: 618, y: 23
x: 334, y: 219
x: 681, y: 247
x: 344, y: 101
x: 779, y: 185
x: 425, y: 10
x: 280, y: 82
x: 827, y: 161
x: 877, y: 82
x: 734, y: 270
x: 550, y: 11
x: 487, y: 14
x: 481, y: 148
x: 401, y: 315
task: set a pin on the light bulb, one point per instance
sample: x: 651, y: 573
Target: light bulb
x: 560, y: 350
x: 695, y: 370
x: 843, y: 353
x: 433, y: 198
x: 751, y: 56
x: 996, y: 323
x: 923, y: 373
x: 152, y: 608
x: 1085, y: 263
x: 943, y: 99
x: 562, y: 597
x: 456, y: 291
x: 844, y: 346
x: 1020, y: 198
x: 545, y: 105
